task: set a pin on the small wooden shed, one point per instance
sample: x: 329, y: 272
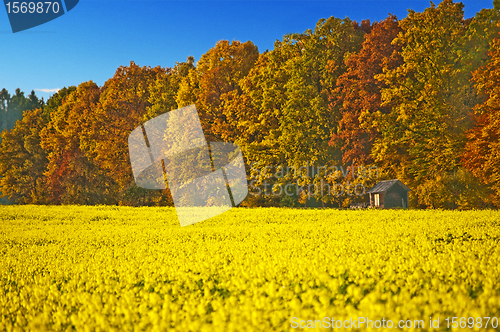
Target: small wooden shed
x: 389, y: 194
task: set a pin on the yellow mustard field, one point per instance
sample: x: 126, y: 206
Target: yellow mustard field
x: 65, y: 268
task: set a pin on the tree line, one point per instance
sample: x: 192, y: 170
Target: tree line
x: 417, y: 98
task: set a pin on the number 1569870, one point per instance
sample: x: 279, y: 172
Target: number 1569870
x: 471, y: 322
x: 32, y: 7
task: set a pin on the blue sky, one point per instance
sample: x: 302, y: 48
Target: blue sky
x: 98, y: 36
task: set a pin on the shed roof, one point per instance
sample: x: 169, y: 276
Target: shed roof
x: 383, y: 186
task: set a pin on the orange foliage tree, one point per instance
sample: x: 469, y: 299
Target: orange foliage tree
x: 482, y: 151
x: 358, y: 92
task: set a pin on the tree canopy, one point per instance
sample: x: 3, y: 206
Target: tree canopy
x: 416, y: 99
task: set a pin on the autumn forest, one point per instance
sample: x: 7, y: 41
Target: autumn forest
x: 417, y: 99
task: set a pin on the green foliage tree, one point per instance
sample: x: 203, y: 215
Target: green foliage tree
x: 424, y: 134
x: 56, y: 100
x: 12, y: 107
x: 164, y: 90
x: 455, y: 190
x: 23, y: 161
x: 18, y: 103
x: 4, y: 99
x: 11, y: 110
x: 291, y: 89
